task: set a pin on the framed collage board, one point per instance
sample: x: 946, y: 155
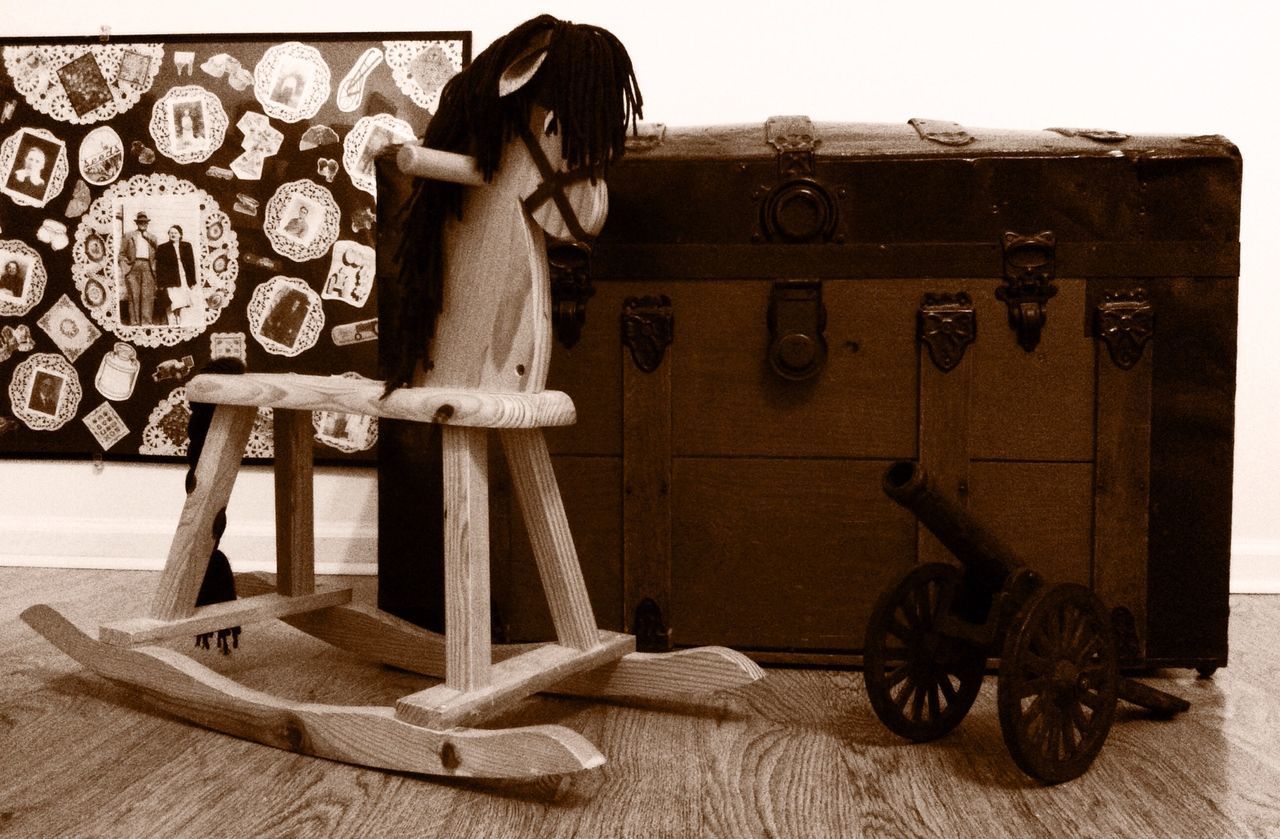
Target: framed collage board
x: 172, y: 200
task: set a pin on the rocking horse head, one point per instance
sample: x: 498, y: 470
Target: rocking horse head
x: 539, y: 115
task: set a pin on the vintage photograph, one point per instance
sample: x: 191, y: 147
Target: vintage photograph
x: 45, y: 393
x: 345, y: 432
x: 290, y: 80
x: 31, y: 173
x: 22, y: 277
x: 86, y: 87
x: 378, y: 139
x: 187, y: 129
x: 301, y: 219
x: 135, y: 68
x: 158, y: 248
x: 13, y: 276
x: 288, y: 310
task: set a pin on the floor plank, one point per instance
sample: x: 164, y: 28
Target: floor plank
x: 799, y: 754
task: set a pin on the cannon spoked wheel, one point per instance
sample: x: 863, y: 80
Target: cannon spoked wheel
x: 1059, y: 681
x: 920, y: 682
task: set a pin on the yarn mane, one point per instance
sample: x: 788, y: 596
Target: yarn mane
x: 586, y: 82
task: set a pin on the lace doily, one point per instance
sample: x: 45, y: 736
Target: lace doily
x: 69, y: 328
x: 285, y: 316
x: 302, y: 220
x: 291, y: 81
x: 188, y: 124
x: 348, y: 433
x: 83, y: 83
x: 24, y: 193
x: 362, y: 144
x: 421, y: 68
x: 44, y: 392
x: 31, y: 266
x: 166, y: 430
x: 97, y: 278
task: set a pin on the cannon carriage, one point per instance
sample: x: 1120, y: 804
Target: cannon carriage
x: 930, y: 635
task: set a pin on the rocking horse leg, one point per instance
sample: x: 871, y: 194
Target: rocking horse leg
x: 295, y: 504
x: 194, y: 539
x: 466, y: 552
x: 548, y: 528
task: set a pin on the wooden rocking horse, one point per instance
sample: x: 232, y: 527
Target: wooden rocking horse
x: 488, y: 366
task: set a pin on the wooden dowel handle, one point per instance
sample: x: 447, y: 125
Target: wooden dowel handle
x: 437, y: 165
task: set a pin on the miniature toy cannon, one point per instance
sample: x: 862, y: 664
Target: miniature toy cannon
x: 929, y: 637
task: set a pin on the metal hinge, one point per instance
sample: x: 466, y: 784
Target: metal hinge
x: 941, y: 131
x: 1125, y: 321
x: 946, y: 324
x: 648, y: 327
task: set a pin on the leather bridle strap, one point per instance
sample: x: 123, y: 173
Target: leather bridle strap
x: 553, y: 186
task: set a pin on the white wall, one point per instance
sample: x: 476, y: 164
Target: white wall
x: 1176, y: 67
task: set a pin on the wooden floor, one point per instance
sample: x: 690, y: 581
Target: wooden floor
x: 797, y: 755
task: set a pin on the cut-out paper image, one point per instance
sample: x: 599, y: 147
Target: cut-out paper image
x: 188, y: 124
x: 170, y: 265
x: 301, y: 220
x: 286, y: 316
x: 22, y: 277
x: 33, y: 167
x: 44, y: 392
x: 291, y: 81
x: 83, y: 83
x: 351, y: 271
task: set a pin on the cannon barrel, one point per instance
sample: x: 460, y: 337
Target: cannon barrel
x: 988, y: 562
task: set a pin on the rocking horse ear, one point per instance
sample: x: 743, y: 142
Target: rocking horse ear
x: 525, y: 65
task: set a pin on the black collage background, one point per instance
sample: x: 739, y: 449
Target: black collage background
x: 381, y: 95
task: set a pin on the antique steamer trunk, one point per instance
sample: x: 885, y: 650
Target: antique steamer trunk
x: 774, y: 312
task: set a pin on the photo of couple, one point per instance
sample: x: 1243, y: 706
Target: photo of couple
x: 159, y: 272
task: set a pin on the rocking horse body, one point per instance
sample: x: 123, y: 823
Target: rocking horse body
x: 486, y: 370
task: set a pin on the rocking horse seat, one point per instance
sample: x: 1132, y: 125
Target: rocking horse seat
x: 443, y: 406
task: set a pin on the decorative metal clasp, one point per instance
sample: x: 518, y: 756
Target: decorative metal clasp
x: 1028, y: 275
x: 946, y: 324
x: 571, y: 288
x: 796, y: 321
x: 1125, y: 321
x: 648, y: 326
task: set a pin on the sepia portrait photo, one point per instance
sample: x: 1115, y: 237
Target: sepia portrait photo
x: 157, y: 261
x: 30, y: 175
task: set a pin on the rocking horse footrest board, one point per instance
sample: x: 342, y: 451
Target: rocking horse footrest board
x: 442, y: 706
x: 215, y: 616
x: 482, y: 409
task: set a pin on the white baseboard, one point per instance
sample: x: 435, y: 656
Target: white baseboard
x: 143, y: 545
x: 341, y: 548
x: 1255, y: 567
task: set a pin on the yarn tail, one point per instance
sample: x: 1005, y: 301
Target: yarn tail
x: 218, y: 585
